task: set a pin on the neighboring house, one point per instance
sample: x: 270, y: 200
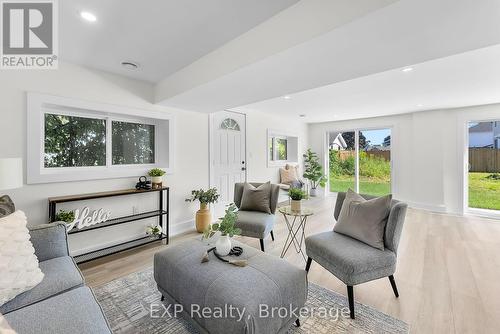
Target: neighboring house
x: 378, y: 148
x: 485, y: 134
x: 337, y: 142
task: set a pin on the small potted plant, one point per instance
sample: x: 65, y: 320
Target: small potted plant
x: 156, y: 177
x: 313, y: 171
x: 296, y: 196
x: 65, y: 216
x: 226, y: 226
x: 203, y: 215
x: 153, y: 231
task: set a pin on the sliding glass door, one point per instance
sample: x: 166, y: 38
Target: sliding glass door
x: 360, y: 160
x: 484, y: 165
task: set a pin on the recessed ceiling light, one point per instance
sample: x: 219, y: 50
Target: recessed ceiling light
x: 407, y: 69
x: 130, y: 65
x: 286, y: 97
x: 302, y: 115
x: 420, y: 105
x: 88, y: 16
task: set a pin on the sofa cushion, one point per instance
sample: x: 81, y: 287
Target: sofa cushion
x: 19, y: 270
x: 363, y: 219
x: 256, y: 198
x: 255, y: 224
x: 7, y: 207
x: 350, y: 260
x: 61, y: 274
x: 75, y: 311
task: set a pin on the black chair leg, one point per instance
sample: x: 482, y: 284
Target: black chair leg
x: 262, y: 245
x: 297, y: 323
x: 350, y: 296
x: 162, y: 298
x: 308, y: 264
x: 394, y: 287
x: 272, y: 235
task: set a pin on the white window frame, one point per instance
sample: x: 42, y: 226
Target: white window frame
x: 291, y: 139
x: 39, y: 104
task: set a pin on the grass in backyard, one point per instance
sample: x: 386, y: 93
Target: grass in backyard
x: 484, y: 193
x: 366, y: 185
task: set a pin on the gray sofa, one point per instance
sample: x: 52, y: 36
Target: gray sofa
x: 61, y: 303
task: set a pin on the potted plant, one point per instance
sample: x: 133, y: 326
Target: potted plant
x: 156, y: 177
x: 296, y: 196
x: 153, y: 231
x: 65, y: 216
x: 313, y: 171
x: 227, y: 229
x: 203, y: 215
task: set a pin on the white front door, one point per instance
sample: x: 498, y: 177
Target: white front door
x: 228, y: 155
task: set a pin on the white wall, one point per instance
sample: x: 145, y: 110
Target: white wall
x: 428, y: 152
x: 257, y: 146
x: 190, y: 170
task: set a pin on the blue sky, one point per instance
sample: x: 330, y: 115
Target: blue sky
x: 376, y: 137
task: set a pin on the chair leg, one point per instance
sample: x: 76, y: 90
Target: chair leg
x: 394, y: 287
x: 297, y: 323
x: 308, y: 264
x: 350, y: 296
x: 162, y: 298
x: 272, y: 235
x: 262, y: 245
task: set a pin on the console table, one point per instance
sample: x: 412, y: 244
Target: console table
x: 162, y: 213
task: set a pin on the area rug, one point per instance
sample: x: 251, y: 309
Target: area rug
x: 127, y: 300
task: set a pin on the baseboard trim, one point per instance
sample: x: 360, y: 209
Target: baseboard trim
x: 182, y: 227
x: 425, y: 206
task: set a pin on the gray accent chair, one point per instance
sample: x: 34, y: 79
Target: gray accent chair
x: 352, y: 261
x: 256, y: 224
x: 61, y: 303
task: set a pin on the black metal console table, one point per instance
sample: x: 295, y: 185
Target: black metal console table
x: 162, y: 213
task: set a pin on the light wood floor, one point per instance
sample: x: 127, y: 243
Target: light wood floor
x: 448, y: 272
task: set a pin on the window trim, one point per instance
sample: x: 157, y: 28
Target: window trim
x: 39, y: 104
x: 291, y: 138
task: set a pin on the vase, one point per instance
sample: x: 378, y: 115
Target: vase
x: 156, y: 182
x: 313, y: 192
x: 203, y: 218
x: 223, y: 245
x: 296, y: 205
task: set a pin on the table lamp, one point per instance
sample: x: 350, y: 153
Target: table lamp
x: 11, y: 173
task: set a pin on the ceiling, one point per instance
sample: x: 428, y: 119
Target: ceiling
x: 471, y: 78
x: 163, y: 36
x: 404, y: 33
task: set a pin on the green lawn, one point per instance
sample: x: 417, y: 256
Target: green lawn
x: 484, y: 193
x: 366, y: 185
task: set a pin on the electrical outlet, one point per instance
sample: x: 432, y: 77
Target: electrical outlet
x: 134, y: 210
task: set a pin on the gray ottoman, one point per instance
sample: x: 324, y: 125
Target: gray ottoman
x: 265, y: 296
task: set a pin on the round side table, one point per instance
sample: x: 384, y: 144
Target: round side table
x: 296, y: 228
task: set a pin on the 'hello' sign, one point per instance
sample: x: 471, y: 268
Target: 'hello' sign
x: 83, y: 218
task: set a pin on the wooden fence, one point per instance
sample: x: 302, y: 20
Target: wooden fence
x: 486, y: 160
x: 386, y: 155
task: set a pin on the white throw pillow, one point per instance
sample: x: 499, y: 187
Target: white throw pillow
x: 18, y: 262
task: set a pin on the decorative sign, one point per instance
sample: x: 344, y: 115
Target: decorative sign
x: 83, y: 218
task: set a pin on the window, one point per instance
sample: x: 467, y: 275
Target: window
x: 230, y: 124
x: 72, y: 140
x: 278, y: 149
x: 282, y: 148
x: 133, y: 143
x: 360, y: 160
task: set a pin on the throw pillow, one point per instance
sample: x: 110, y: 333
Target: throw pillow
x: 18, y: 262
x: 288, y: 176
x: 7, y: 207
x: 256, y: 199
x: 364, y: 220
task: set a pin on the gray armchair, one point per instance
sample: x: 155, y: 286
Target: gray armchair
x: 256, y: 224
x: 352, y: 261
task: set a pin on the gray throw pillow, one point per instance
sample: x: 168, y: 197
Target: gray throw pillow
x: 256, y: 199
x: 7, y: 207
x: 364, y: 220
